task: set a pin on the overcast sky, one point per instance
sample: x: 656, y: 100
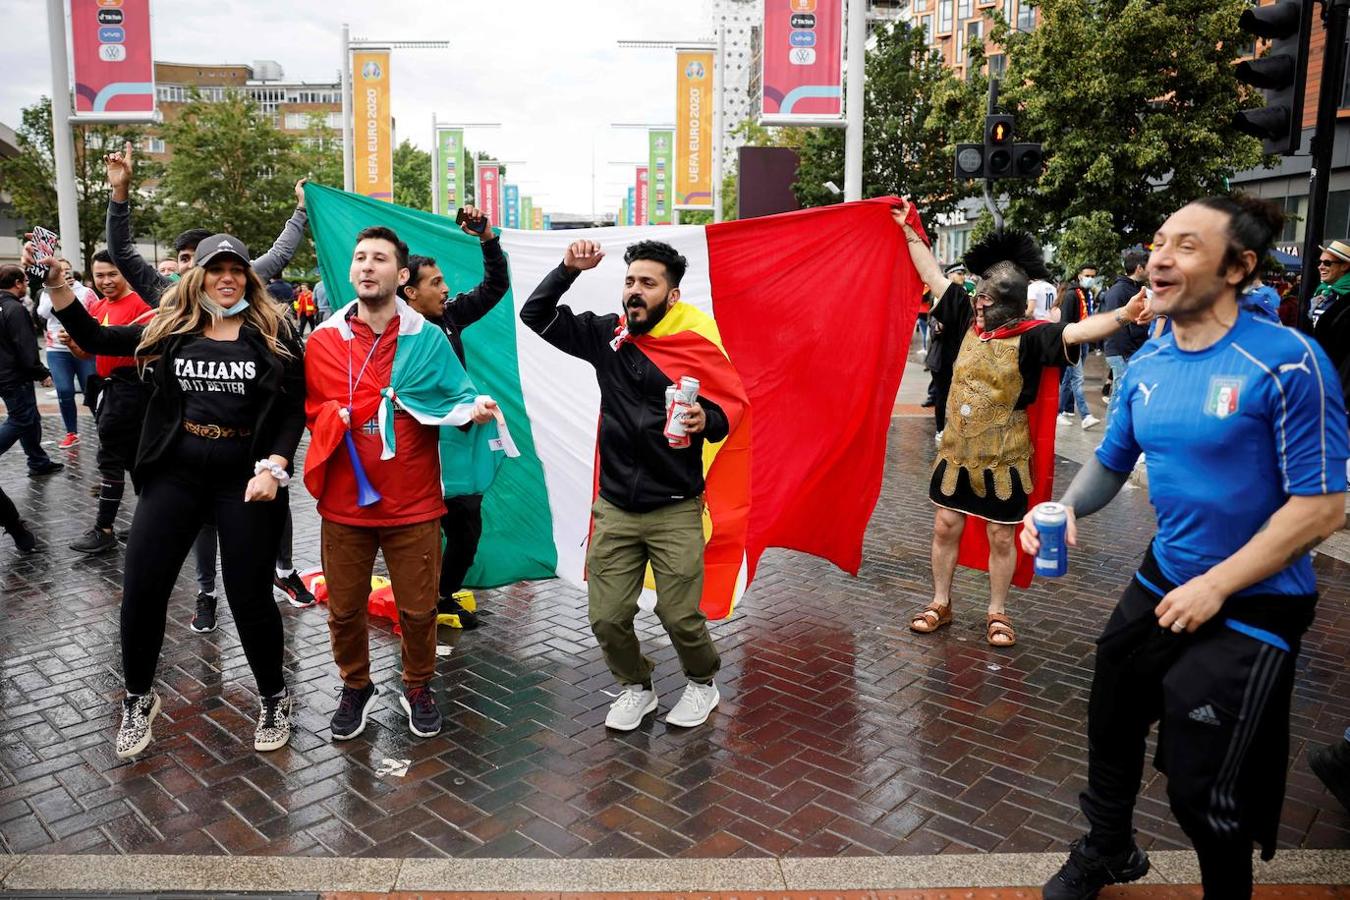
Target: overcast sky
x: 550, y: 72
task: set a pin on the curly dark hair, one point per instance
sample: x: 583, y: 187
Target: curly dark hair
x: 660, y: 252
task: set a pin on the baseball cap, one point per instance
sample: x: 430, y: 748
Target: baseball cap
x: 1339, y: 249
x: 221, y: 244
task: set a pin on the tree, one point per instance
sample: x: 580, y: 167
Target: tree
x: 412, y: 176
x: 1133, y: 100
x: 30, y: 177
x: 914, y: 110
x: 232, y: 170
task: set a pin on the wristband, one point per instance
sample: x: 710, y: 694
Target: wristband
x: 278, y: 472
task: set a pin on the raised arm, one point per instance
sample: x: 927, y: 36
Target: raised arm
x: 472, y: 305
x: 274, y: 261
x: 570, y: 332
x: 920, y: 254
x: 142, y: 276
x: 109, y: 340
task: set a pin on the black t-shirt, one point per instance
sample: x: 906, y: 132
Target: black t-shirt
x: 219, y: 381
x: 1042, y: 345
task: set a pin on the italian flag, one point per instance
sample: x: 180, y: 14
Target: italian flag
x: 811, y: 312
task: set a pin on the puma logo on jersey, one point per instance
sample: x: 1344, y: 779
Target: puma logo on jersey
x: 1147, y: 390
x: 1300, y: 366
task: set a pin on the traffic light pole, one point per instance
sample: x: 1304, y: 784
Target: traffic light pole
x: 1335, y: 13
x: 989, y: 182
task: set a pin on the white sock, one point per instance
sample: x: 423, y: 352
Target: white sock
x: 285, y: 573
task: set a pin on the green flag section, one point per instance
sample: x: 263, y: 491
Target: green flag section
x: 518, y: 542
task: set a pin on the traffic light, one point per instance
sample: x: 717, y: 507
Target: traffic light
x: 999, y: 156
x: 998, y: 146
x: 1281, y: 74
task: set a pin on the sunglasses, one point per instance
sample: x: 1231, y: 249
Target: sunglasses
x: 1330, y: 262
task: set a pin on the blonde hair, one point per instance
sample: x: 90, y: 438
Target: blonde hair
x: 185, y: 308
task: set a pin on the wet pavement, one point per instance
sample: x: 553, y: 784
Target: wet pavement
x: 840, y: 732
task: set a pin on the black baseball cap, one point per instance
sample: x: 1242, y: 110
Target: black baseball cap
x: 221, y: 244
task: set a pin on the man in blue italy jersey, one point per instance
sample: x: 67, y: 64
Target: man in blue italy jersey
x: 1245, y: 436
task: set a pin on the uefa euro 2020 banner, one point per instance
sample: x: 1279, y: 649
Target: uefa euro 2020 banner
x: 803, y: 58
x: 693, y: 129
x: 450, y: 178
x: 114, y: 66
x: 373, y: 155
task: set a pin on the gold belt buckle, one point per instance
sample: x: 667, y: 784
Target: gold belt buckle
x: 213, y: 432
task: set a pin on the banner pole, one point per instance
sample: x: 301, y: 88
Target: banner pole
x: 63, y: 138
x: 853, y: 99
x: 348, y: 160
x: 435, y: 168
x: 719, y: 121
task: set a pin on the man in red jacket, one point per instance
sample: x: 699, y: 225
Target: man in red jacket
x: 120, y: 399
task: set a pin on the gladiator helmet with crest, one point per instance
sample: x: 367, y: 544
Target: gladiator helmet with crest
x: 1003, y: 264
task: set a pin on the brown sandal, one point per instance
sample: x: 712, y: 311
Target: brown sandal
x: 931, y: 618
x: 998, y: 625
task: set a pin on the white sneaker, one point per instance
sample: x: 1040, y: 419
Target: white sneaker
x: 1090, y: 420
x: 1064, y: 419
x: 695, y: 703
x: 627, y: 711
x: 937, y: 439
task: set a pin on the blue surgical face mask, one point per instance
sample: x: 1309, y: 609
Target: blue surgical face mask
x: 236, y: 309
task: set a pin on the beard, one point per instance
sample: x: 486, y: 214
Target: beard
x: 652, y: 319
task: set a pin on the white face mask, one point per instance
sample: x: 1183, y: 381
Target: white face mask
x: 1088, y: 281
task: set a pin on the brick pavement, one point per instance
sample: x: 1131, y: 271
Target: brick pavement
x: 840, y: 732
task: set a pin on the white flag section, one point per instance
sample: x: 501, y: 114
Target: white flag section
x: 560, y: 391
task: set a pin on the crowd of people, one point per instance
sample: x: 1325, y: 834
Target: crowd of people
x: 203, y: 382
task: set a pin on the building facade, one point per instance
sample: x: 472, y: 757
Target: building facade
x: 294, y: 107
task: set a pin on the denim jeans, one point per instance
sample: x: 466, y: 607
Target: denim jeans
x: 23, y: 424
x: 1071, y: 391
x: 69, y: 375
x: 1117, y: 365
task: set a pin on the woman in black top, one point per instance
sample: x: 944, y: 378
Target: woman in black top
x: 225, y: 416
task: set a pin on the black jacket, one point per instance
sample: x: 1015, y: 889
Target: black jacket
x: 464, y: 309
x: 639, y: 470
x: 281, y: 417
x: 1332, y: 331
x: 1130, y: 337
x: 19, y: 360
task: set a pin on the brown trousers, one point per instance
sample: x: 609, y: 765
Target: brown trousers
x: 413, y: 556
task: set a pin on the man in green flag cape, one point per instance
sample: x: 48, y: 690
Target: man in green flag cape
x: 381, y: 380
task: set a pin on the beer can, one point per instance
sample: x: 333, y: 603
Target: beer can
x: 675, y: 410
x: 689, y: 387
x: 1052, y: 524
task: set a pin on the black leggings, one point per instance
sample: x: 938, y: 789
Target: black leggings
x: 204, y: 548
x: 201, y: 479
x: 1221, y: 700
x: 463, y: 527
x: 943, y: 383
x: 9, y: 513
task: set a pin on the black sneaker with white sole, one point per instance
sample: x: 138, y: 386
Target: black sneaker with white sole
x: 205, y: 619
x: 352, y: 713
x: 1086, y: 872
x: 134, y: 734
x: 424, y: 719
x: 294, y: 588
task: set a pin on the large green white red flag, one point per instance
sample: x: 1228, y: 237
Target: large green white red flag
x: 814, y: 310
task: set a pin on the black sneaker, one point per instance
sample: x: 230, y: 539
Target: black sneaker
x: 50, y: 467
x: 1085, y: 873
x: 294, y: 589
x: 352, y: 712
x: 205, y: 619
x: 424, y: 719
x: 274, y: 723
x: 94, y: 541
x: 133, y: 736
x: 1331, y: 763
x: 23, y: 538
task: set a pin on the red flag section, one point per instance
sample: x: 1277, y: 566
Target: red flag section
x: 816, y: 309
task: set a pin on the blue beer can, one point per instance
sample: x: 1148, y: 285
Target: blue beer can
x: 1052, y: 524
